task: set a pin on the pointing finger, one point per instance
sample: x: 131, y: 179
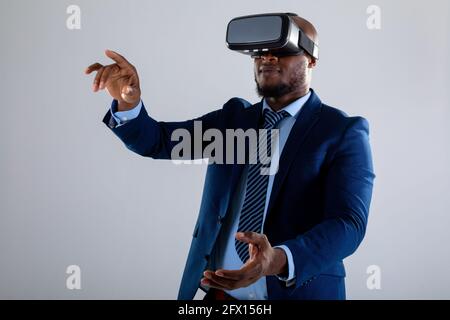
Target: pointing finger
x: 120, y: 60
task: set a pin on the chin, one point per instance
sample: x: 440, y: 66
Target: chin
x: 272, y: 91
x: 269, y: 88
x: 269, y: 85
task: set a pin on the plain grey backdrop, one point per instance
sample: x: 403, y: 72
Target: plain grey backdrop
x: 71, y: 193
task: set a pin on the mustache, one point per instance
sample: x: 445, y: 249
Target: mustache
x: 269, y: 69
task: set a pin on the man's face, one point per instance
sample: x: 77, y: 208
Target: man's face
x: 278, y: 76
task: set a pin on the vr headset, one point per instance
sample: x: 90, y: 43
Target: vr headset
x: 276, y: 33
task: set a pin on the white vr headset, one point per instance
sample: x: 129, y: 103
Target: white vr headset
x: 276, y: 33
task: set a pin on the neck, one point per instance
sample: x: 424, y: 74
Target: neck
x: 279, y: 103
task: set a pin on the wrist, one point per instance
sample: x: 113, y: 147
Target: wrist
x: 280, y: 266
x: 125, y: 106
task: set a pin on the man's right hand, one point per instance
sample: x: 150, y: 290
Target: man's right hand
x: 120, y: 80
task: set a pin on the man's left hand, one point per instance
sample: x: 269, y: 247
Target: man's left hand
x: 264, y: 261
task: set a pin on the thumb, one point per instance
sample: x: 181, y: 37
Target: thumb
x: 129, y: 94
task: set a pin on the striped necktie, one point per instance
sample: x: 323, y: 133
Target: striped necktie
x: 252, y: 212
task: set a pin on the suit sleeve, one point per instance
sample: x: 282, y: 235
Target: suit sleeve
x: 150, y: 138
x: 348, y: 192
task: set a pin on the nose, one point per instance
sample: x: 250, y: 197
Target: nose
x: 268, y: 57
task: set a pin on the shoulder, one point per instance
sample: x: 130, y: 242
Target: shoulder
x: 238, y: 102
x: 337, y: 118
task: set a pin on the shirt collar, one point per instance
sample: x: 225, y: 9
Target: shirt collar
x: 294, y: 107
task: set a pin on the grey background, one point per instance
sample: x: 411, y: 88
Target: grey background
x: 72, y: 194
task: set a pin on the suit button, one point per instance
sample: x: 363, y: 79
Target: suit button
x: 207, y: 257
x: 220, y: 219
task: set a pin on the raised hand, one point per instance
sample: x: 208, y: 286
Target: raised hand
x: 120, y: 79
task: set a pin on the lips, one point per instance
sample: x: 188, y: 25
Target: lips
x: 269, y: 70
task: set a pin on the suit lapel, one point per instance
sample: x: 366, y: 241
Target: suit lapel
x: 248, y: 119
x: 308, y: 116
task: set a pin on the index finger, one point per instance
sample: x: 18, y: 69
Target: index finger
x: 246, y: 271
x: 120, y: 60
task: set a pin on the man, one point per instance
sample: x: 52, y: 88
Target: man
x: 298, y: 224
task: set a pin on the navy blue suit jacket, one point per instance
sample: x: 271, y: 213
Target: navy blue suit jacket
x: 320, y: 198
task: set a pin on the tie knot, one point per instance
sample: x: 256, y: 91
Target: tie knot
x: 271, y: 118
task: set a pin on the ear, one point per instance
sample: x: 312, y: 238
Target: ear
x: 312, y: 62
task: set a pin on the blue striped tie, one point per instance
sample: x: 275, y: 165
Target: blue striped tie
x: 252, y: 212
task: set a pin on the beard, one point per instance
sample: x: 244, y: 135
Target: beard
x: 296, y: 82
x: 274, y: 91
